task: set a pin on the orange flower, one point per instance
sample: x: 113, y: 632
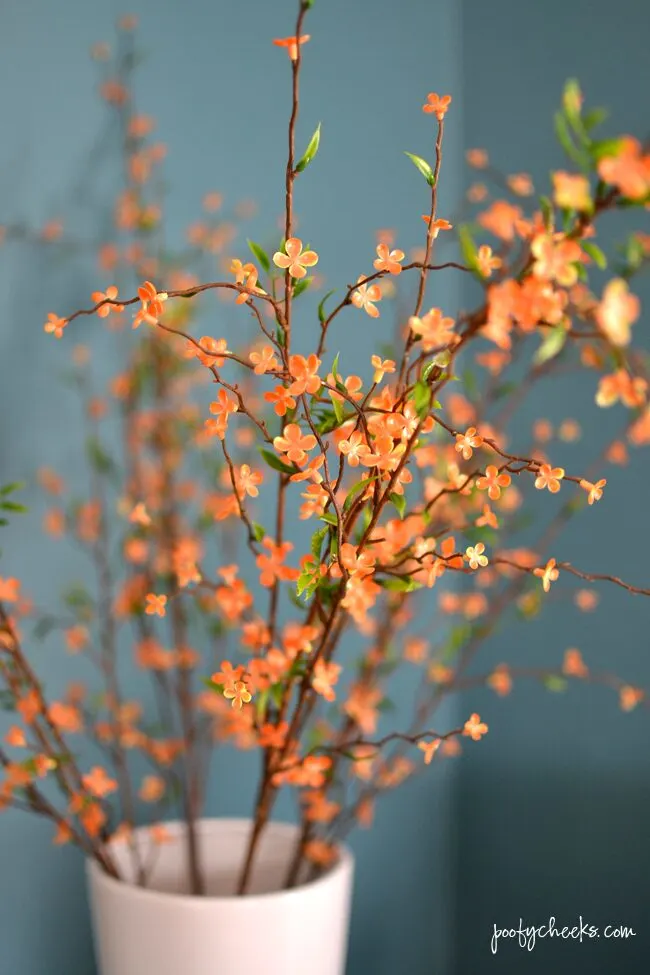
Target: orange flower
x: 238, y: 695
x: 248, y: 480
x: 586, y: 600
x: 488, y: 518
x: 628, y: 169
x: 630, y: 390
x: 295, y: 260
x: 325, y: 676
x: 273, y: 736
x: 354, y: 448
x: 320, y: 852
x: 246, y: 275
x: 66, y: 717
x: 270, y: 563
x: 429, y: 748
x: 629, y: 697
x: 63, y: 834
x: 475, y: 557
x: 28, y: 706
x: 574, y: 665
x: 55, y: 325
x: 228, y: 675
x: 364, y: 297
x: 152, y: 304
x: 492, y: 482
x: 475, y: 728
x: 155, y: 604
x: 549, y: 477
x: 521, y: 184
x: 9, y: 590
x: 436, y: 225
x: 500, y: 219
x: 305, y: 374
x: 486, y: 261
x: 467, y: 442
x: 438, y: 104
x: 478, y: 158
x: 556, y: 258
x: 152, y: 788
x: 500, y: 680
x: 109, y: 297
x: 92, y: 818
x: 388, y: 260
x: 210, y: 352
x: 617, y: 312
x: 594, y: 491
x: 381, y: 367
x: 222, y: 407
x: 98, y: 783
x: 548, y: 574
x: 433, y: 329
x: 264, y: 360
x: 292, y: 44
x: 572, y: 191
x: 282, y: 400
x: 16, y: 737
x: 294, y: 443
x: 139, y: 515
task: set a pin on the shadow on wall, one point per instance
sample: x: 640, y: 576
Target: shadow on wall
x: 577, y: 847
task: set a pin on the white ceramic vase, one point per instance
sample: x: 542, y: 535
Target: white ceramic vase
x: 162, y: 930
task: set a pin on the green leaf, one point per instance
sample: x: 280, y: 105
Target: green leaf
x: 261, y: 701
x: 260, y: 255
x: 594, y: 117
x: 330, y: 518
x: 258, y: 531
x: 386, y: 705
x: 428, y: 369
x: 321, y: 306
x: 565, y: 140
x: 301, y: 286
x: 13, y: 506
x: 337, y: 406
x: 422, y: 166
x: 399, y: 502
x: 551, y: 346
x: 555, y: 684
x: 317, y: 541
x: 335, y: 367
x: 421, y: 398
x: 310, y: 151
x: 394, y: 584
x: 606, y: 147
x: 595, y: 253
x: 467, y: 246
x: 10, y: 488
x: 98, y: 457
x: 274, y: 461
x: 572, y: 99
x: 355, y: 491
x: 547, y: 211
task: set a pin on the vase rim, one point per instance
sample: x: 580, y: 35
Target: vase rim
x: 344, y: 864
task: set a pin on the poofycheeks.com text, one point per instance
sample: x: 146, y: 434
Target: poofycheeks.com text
x: 527, y: 936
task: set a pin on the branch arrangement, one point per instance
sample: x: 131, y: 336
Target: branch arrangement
x: 401, y: 475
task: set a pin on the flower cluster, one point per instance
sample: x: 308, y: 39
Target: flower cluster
x: 403, y: 475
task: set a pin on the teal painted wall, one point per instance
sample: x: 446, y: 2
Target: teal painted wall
x: 553, y: 811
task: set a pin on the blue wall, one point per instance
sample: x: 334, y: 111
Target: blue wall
x: 553, y: 807
x: 218, y: 91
